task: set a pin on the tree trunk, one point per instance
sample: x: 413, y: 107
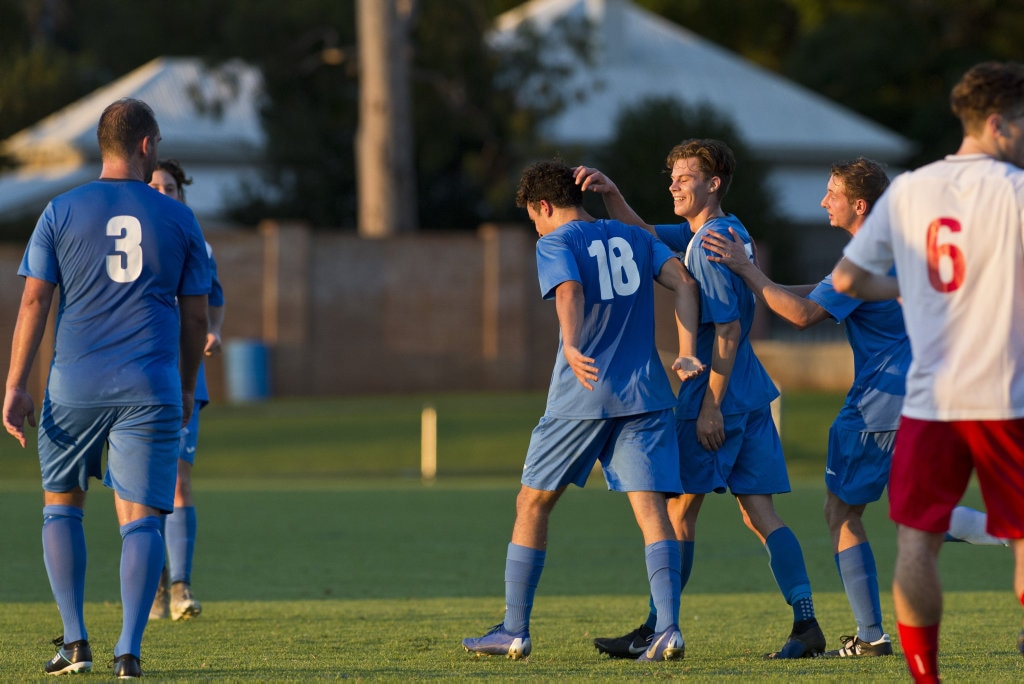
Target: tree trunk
x: 386, y: 176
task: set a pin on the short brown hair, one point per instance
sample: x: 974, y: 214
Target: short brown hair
x: 863, y: 179
x: 549, y: 180
x: 988, y: 88
x: 123, y: 125
x: 714, y: 158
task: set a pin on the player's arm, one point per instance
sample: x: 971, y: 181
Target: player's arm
x: 788, y: 303
x: 195, y: 323
x: 569, y: 305
x: 674, y: 276
x: 614, y: 203
x: 213, y: 339
x: 710, y: 422
x: 28, y: 333
x: 850, y: 279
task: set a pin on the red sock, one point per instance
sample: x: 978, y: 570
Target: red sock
x: 921, y: 649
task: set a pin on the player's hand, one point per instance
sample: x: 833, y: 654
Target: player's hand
x: 188, y: 404
x: 18, y: 408
x: 212, y: 344
x: 589, y: 178
x: 688, y: 367
x: 730, y: 252
x: 582, y: 366
x: 710, y: 428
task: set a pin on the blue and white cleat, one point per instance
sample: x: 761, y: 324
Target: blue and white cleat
x: 499, y: 642
x: 667, y: 645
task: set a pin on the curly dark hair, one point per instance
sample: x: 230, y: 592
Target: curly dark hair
x: 548, y: 180
x: 173, y: 167
x: 862, y: 178
x: 988, y: 88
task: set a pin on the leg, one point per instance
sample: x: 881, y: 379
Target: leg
x: 917, y: 594
x: 786, y: 560
x: 859, y: 574
x: 180, y: 533
x: 142, y: 561
x: 64, y: 554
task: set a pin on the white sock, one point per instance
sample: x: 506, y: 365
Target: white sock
x: 968, y: 525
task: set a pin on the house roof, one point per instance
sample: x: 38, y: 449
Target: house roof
x: 639, y: 54
x: 209, y: 120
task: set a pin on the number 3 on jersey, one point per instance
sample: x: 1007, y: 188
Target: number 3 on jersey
x: 945, y: 260
x: 617, y: 271
x: 125, y: 265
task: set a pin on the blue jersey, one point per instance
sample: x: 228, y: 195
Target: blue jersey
x: 723, y: 298
x: 616, y: 265
x: 202, y: 395
x: 121, y: 253
x: 881, y: 358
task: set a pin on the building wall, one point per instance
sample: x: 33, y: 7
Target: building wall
x: 432, y: 312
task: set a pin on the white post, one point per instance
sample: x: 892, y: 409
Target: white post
x: 428, y: 444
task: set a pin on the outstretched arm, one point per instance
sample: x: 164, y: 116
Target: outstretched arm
x: 28, y: 332
x: 614, y: 203
x: 569, y: 305
x: 675, y: 277
x: 788, y: 303
x: 852, y: 280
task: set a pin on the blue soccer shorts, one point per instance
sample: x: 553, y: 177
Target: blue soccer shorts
x: 142, y: 442
x: 857, y: 469
x: 637, y: 453
x: 749, y: 462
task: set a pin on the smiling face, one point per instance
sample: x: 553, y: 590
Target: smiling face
x: 690, y: 190
x: 164, y: 183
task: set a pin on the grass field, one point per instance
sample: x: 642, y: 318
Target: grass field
x: 322, y: 555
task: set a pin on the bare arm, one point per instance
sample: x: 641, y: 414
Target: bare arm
x: 710, y: 422
x: 614, y: 203
x: 28, y: 332
x: 213, y: 341
x: 194, y: 326
x: 788, y: 303
x: 852, y: 280
x: 569, y: 305
x: 675, y: 277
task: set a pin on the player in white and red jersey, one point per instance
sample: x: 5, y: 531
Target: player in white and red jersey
x: 954, y: 231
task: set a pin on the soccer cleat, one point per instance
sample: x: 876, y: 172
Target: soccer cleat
x: 499, y: 642
x: 127, y: 666
x: 183, y: 604
x: 161, y: 608
x: 628, y: 646
x: 70, y: 658
x: 667, y: 645
x: 853, y: 647
x: 805, y: 641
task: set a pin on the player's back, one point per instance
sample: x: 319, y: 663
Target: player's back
x: 120, y: 253
x: 616, y: 264
x: 957, y: 244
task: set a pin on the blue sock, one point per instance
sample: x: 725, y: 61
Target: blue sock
x: 180, y: 533
x: 663, y: 573
x: 64, y: 555
x: 860, y: 579
x: 142, y: 562
x: 786, y: 559
x: 686, y: 549
x: 523, y: 567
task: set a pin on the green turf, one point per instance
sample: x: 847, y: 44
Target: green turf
x: 322, y: 555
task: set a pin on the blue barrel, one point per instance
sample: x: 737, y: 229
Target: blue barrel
x: 247, y: 364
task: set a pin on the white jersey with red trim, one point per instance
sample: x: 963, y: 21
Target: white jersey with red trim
x: 954, y: 230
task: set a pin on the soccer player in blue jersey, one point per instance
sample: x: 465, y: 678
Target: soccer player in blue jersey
x: 134, y: 276
x: 862, y: 436
x: 174, y: 598
x: 609, y: 400
x: 727, y: 438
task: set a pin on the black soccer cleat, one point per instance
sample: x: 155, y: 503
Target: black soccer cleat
x: 805, y: 641
x: 127, y: 666
x: 632, y: 645
x: 70, y: 658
